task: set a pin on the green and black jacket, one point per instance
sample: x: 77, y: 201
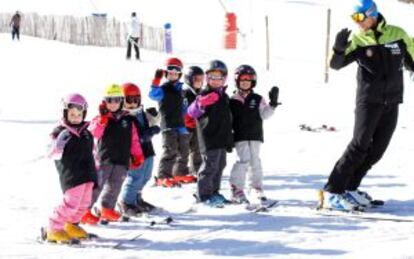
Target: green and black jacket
x: 381, y: 53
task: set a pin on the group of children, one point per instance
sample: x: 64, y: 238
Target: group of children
x: 199, y: 125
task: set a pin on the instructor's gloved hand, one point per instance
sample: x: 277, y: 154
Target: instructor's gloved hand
x: 274, y: 96
x: 341, y: 41
x: 159, y: 73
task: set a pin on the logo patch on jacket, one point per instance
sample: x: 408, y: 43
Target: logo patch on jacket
x: 124, y: 124
x: 369, y: 53
x: 252, y: 104
x: 394, y: 48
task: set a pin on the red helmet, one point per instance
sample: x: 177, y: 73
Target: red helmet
x: 131, y: 89
x: 174, y: 63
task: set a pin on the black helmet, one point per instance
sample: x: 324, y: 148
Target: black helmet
x: 245, y: 70
x: 190, y: 73
x: 217, y: 65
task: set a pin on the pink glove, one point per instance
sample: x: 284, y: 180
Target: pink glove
x: 208, y: 99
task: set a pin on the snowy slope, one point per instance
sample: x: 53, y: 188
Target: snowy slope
x: 36, y: 73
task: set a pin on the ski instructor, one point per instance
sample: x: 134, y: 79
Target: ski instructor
x: 380, y: 50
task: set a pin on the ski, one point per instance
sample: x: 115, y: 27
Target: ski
x: 120, y: 244
x: 361, y: 215
x: 257, y: 208
x: 167, y: 220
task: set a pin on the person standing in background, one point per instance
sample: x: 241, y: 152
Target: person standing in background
x: 133, y: 36
x: 15, y: 25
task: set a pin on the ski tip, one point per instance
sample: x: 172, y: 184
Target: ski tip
x: 43, y: 234
x: 169, y: 219
x: 104, y: 222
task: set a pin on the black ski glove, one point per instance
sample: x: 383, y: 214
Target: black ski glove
x: 152, y: 111
x: 274, y: 96
x: 341, y: 41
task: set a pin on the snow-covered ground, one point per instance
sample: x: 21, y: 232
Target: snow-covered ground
x: 35, y: 74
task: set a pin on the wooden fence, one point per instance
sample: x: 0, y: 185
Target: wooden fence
x: 90, y: 30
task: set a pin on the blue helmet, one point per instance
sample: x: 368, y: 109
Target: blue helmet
x: 367, y: 7
x: 217, y: 65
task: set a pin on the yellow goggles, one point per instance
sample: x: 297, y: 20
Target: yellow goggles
x: 358, y: 17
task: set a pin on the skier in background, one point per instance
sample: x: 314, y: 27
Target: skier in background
x: 15, y: 25
x: 380, y: 51
x: 133, y: 36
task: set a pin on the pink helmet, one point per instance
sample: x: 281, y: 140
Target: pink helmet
x: 74, y: 99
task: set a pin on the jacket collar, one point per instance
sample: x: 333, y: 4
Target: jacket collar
x: 76, y: 130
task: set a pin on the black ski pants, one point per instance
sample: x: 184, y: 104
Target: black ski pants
x: 174, y: 158
x: 373, y: 130
x: 16, y: 32
x: 132, y: 42
x: 209, y: 175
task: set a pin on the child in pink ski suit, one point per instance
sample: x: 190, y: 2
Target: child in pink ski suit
x: 72, y: 148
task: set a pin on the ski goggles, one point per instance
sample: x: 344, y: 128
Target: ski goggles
x: 359, y: 17
x: 172, y: 69
x: 246, y: 77
x: 213, y: 77
x: 114, y: 99
x: 133, y: 99
x: 76, y: 106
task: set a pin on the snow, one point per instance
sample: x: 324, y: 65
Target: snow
x: 36, y: 73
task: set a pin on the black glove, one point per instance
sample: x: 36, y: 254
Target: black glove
x: 152, y: 111
x: 273, y: 96
x: 341, y: 41
x: 159, y: 73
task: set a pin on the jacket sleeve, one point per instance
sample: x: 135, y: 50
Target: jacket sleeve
x: 55, y: 152
x: 194, y: 110
x: 409, y: 57
x: 154, y: 130
x: 340, y: 60
x: 156, y: 93
x: 266, y: 111
x: 59, y: 138
x: 96, y: 128
x: 136, y: 150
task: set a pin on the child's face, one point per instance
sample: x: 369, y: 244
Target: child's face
x: 172, y: 75
x: 113, y: 103
x: 198, y: 81
x: 245, y: 85
x: 132, y: 102
x: 215, y: 79
x: 75, y: 116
